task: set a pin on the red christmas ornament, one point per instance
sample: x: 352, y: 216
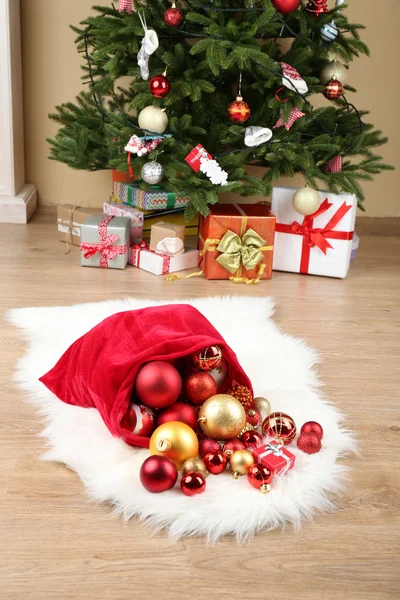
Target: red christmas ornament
x: 173, y: 16
x: 243, y: 394
x: 158, y: 384
x: 232, y: 446
x: 193, y: 483
x: 260, y: 476
x: 239, y: 111
x: 309, y: 443
x: 312, y: 427
x: 158, y: 474
x: 253, y: 417
x: 179, y: 411
x: 286, y: 6
x: 252, y: 439
x: 317, y: 7
x: 208, y: 359
x: 279, y: 426
x: 215, y: 462
x: 139, y: 419
x: 333, y: 89
x: 208, y: 445
x: 199, y: 386
x: 159, y: 86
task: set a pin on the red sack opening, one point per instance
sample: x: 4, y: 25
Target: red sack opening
x: 99, y: 369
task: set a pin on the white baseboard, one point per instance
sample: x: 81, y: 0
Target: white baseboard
x: 19, y: 208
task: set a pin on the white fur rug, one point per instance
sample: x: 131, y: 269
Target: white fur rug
x: 281, y: 369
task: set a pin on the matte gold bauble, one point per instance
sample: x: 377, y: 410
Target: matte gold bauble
x: 263, y: 406
x: 194, y: 465
x: 333, y: 70
x: 176, y: 441
x: 153, y: 119
x: 306, y: 201
x: 222, y: 417
x: 240, y: 462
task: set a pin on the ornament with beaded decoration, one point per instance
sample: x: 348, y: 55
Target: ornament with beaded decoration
x: 243, y: 394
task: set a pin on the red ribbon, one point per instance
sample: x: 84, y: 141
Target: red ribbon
x: 136, y: 251
x: 317, y: 236
x: 107, y: 249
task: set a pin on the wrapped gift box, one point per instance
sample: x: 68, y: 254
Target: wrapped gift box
x: 105, y: 241
x: 69, y: 221
x: 319, y: 244
x: 237, y: 241
x: 167, y: 238
x: 153, y: 199
x: 274, y: 456
x: 118, y: 177
x: 122, y: 210
x: 159, y: 264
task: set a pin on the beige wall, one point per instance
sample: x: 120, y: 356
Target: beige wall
x: 52, y: 76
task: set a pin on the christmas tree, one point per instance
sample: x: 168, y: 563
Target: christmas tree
x: 235, y: 76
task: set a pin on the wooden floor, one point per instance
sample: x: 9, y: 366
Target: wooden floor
x: 54, y: 545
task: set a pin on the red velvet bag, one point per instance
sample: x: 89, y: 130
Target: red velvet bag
x: 99, y: 369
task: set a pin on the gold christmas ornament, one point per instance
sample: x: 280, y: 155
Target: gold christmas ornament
x: 194, y: 465
x: 153, y: 119
x: 174, y: 440
x: 263, y: 406
x: 306, y: 201
x: 240, y: 462
x: 222, y: 417
x: 333, y: 70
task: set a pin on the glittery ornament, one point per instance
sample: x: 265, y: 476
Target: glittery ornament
x: 152, y: 172
x: 243, y: 394
x: 232, y: 446
x: 260, y: 477
x: 309, y: 443
x: 193, y: 484
x: 279, y: 426
x: 153, y: 119
x: 222, y: 417
x: 312, y: 427
x: 239, y: 111
x: 215, y: 462
x: 208, y: 359
x: 199, y: 386
x: 306, y: 201
x: 208, y: 445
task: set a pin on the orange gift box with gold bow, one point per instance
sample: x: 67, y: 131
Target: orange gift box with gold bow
x: 237, y: 242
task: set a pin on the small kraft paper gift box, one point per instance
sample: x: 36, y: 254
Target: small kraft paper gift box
x: 123, y: 210
x: 141, y: 256
x: 153, y: 199
x: 318, y: 244
x: 69, y: 221
x: 274, y: 456
x: 167, y: 238
x: 237, y: 242
x: 105, y: 241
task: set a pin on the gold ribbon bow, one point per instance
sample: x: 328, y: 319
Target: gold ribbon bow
x: 236, y: 252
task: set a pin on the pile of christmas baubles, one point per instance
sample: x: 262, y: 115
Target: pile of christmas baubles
x: 195, y: 430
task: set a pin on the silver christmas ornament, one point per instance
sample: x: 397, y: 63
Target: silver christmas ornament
x: 152, y: 172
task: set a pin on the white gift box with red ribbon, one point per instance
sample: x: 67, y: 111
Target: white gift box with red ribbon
x: 318, y: 244
x: 141, y: 256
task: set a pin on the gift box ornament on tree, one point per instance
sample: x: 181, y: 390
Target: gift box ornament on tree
x: 236, y: 242
x: 105, y: 242
x: 316, y: 244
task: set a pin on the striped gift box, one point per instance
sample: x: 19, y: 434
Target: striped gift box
x: 153, y: 199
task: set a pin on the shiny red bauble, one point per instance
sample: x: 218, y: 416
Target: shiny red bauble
x: 158, y: 474
x: 232, y: 446
x: 193, y: 484
x: 199, y: 386
x: 158, y: 384
x: 317, y: 7
x: 333, y: 89
x: 252, y: 439
x: 208, y: 359
x: 173, y: 16
x: 179, y: 411
x: 309, y: 443
x: 215, y: 462
x: 139, y: 419
x: 253, y: 416
x: 159, y: 86
x: 312, y: 427
x: 239, y: 111
x: 208, y: 445
x: 280, y: 427
x: 286, y: 6
x: 260, y: 476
